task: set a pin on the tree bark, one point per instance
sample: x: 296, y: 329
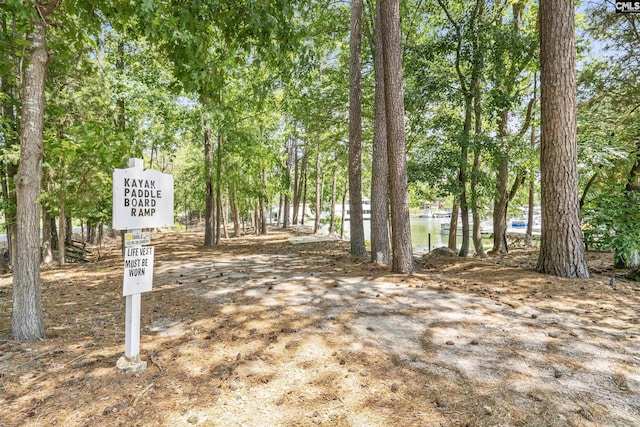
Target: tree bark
x: 332, y: 215
x: 219, y: 219
x: 344, y: 207
x: 380, y: 250
x: 501, y: 202
x: 402, y: 251
x: 356, y: 225
x: 476, y: 75
x: 121, y: 117
x: 46, y: 253
x: 68, y: 228
x: 286, y: 205
x: 453, y: 226
x: 304, y: 191
x: 562, y: 244
x: 234, y: 211
x: 316, y: 223
x: 209, y: 205
x: 476, y: 235
x: 279, y: 219
x: 263, y: 207
x: 296, y: 184
x: 528, y: 237
x: 462, y: 175
x: 100, y: 235
x: 120, y: 104
x: 224, y: 211
x: 27, y: 321
x: 61, y: 234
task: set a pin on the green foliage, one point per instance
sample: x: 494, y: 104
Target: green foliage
x: 614, y: 225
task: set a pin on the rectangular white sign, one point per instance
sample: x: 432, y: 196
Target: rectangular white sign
x: 136, y: 239
x: 138, y: 270
x: 142, y: 199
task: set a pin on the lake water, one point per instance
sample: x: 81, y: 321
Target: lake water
x: 422, y: 229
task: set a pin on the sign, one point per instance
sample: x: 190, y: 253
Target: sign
x: 138, y: 270
x: 628, y: 7
x: 142, y: 199
x: 136, y: 239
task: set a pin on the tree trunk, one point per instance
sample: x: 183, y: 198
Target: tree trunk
x: 27, y: 321
x: 355, y: 133
x: 332, y: 214
x: 304, y: 191
x: 402, y: 258
x: 344, y: 207
x: 120, y: 63
x: 263, y: 208
x: 528, y: 237
x: 453, y: 226
x: 121, y: 118
x: 296, y: 184
x: 475, y: 211
x: 224, y: 218
x: 476, y: 72
x: 54, y: 234
x: 234, y: 211
x: 287, y: 202
x: 92, y: 228
x: 476, y: 235
x: 562, y: 244
x: 219, y: 189
x: 46, y: 253
x: 501, y: 201
x: 380, y: 250
x: 256, y: 220
x: 209, y: 205
x: 61, y: 234
x: 462, y: 175
x: 286, y: 208
x: 68, y: 229
x: 100, y: 235
x: 316, y: 224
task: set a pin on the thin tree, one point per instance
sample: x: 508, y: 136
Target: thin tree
x: 380, y: 250
x: 209, y: 211
x: 316, y: 223
x: 402, y: 252
x: 355, y: 133
x: 562, y: 245
x: 27, y: 319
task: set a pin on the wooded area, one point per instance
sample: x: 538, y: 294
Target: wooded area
x: 288, y: 128
x: 265, y: 110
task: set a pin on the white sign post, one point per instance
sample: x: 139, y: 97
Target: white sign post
x: 141, y: 199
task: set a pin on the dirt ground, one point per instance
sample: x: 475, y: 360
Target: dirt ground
x: 289, y: 330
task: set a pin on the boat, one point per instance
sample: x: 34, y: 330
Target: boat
x: 519, y: 223
x: 366, y: 210
x: 441, y: 214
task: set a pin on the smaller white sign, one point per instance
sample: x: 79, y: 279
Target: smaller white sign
x: 138, y: 270
x: 136, y: 239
